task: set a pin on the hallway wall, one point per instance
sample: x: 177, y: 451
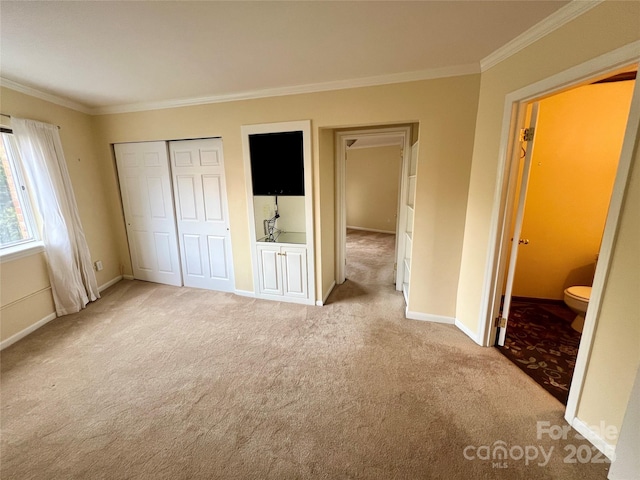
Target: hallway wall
x: 371, y: 181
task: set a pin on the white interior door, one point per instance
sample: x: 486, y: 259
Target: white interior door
x: 202, y: 213
x: 145, y: 185
x: 528, y: 140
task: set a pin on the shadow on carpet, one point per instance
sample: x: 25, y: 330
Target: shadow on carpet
x: 543, y: 345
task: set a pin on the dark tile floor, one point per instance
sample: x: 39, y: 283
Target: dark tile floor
x: 541, y: 342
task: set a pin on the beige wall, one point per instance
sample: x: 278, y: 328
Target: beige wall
x: 26, y: 295
x: 606, y: 27
x: 371, y: 181
x: 615, y: 356
x: 578, y: 141
x: 445, y: 109
x: 326, y: 149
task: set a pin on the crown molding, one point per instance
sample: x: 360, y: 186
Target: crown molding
x: 562, y: 16
x: 554, y: 21
x: 63, y: 102
x: 430, y: 74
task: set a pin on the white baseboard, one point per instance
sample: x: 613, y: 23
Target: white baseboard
x: 371, y: 230
x: 31, y: 328
x: 244, y: 293
x: 594, y: 436
x: 469, y: 333
x: 425, y: 317
x: 127, y: 277
x: 326, y: 294
x: 111, y: 282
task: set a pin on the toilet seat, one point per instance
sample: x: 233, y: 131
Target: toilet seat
x: 579, y: 293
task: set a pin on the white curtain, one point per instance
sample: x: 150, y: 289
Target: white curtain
x: 73, y: 280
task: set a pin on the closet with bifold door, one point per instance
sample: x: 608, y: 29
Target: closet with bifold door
x: 175, y: 206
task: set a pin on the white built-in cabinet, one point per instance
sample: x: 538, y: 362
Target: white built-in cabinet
x: 281, y: 225
x: 407, y: 231
x: 282, y: 270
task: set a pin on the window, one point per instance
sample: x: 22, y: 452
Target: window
x: 17, y: 225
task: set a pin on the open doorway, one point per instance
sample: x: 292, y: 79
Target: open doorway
x: 371, y: 166
x: 372, y: 184
x: 567, y: 172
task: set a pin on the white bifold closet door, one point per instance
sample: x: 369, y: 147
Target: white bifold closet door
x: 147, y: 200
x: 202, y: 213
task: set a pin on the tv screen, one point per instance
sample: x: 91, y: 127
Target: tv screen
x: 277, y: 163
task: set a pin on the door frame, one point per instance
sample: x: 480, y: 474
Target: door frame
x: 341, y: 139
x: 513, y: 119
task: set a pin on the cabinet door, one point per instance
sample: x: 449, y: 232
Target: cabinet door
x: 294, y: 266
x: 270, y: 270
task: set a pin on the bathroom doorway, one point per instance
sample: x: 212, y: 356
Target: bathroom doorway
x: 567, y: 170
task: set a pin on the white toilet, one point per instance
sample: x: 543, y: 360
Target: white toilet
x: 577, y: 299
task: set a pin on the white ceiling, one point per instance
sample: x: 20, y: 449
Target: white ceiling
x: 106, y: 54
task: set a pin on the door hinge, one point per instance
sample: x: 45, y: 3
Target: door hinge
x: 526, y: 134
x: 501, y: 322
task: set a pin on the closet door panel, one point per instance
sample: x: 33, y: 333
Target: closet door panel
x: 147, y: 199
x: 201, y: 203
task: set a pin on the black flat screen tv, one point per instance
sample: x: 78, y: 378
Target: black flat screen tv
x: 277, y: 163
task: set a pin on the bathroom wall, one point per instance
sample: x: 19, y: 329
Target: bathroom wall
x: 577, y: 145
x: 371, y: 181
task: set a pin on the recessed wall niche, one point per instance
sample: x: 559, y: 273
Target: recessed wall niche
x: 278, y: 178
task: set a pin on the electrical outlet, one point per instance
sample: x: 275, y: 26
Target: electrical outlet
x: 98, y: 265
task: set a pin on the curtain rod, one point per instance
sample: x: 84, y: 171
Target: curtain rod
x: 9, y: 116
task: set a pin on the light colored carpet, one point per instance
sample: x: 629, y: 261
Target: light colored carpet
x: 159, y: 382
